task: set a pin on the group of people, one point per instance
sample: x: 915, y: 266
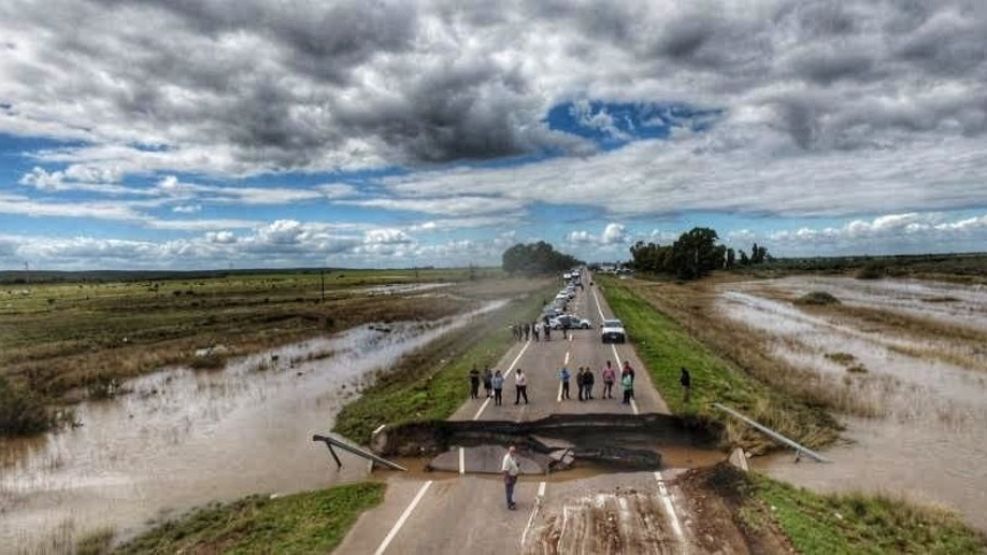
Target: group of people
x: 585, y: 380
x: 532, y: 330
x: 493, y: 385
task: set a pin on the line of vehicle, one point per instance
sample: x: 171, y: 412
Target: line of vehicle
x: 401, y: 520
x: 506, y: 374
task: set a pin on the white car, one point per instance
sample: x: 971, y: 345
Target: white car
x: 612, y: 331
x: 569, y: 322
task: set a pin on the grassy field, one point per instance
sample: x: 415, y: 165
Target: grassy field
x: 840, y: 523
x: 433, y: 382
x: 665, y: 346
x: 69, y: 340
x: 310, y: 522
x: 960, y: 268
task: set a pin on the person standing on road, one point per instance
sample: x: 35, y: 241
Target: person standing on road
x: 520, y: 387
x: 581, y: 384
x: 588, y: 380
x: 564, y: 376
x: 609, y: 376
x: 535, y: 330
x: 498, y: 385
x: 627, y: 370
x: 686, y: 380
x: 627, y: 382
x: 487, y: 381
x: 474, y: 383
x: 548, y: 331
x: 527, y: 331
x: 510, y: 469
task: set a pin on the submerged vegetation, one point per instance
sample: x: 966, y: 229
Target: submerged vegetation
x: 665, y: 345
x: 309, y: 522
x: 58, y: 337
x: 817, y: 298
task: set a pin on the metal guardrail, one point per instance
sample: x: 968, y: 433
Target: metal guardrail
x: 331, y: 441
x: 799, y: 448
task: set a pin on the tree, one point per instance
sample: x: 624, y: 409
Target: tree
x: 731, y: 259
x: 693, y: 255
x: 536, y: 258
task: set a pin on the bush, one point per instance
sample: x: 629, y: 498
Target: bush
x: 871, y: 271
x: 21, y: 411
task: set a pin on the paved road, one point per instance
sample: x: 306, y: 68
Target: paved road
x: 610, y: 513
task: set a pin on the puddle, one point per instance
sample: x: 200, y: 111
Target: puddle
x: 399, y: 288
x: 184, y: 438
x: 931, y: 441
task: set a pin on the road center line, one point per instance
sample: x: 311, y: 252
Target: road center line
x: 538, y: 501
x: 462, y: 461
x: 506, y: 374
x: 566, y: 361
x: 559, y: 398
x: 670, y: 508
x: 401, y: 520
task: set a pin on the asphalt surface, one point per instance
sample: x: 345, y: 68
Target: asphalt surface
x: 466, y: 512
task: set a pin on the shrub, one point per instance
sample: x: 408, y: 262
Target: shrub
x: 871, y: 271
x: 21, y: 411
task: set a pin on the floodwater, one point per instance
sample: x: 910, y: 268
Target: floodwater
x: 930, y: 441
x: 183, y: 438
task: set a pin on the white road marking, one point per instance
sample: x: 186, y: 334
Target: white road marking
x: 401, y: 520
x: 538, y: 500
x: 462, y: 461
x: 507, y: 373
x: 566, y: 361
x: 670, y: 508
x: 559, y: 398
x: 598, y: 307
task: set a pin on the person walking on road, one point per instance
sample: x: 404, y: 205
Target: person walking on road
x: 527, y: 331
x: 609, y: 376
x: 581, y: 384
x: 535, y: 329
x: 509, y: 467
x: 498, y: 386
x: 564, y: 376
x: 686, y: 380
x: 474, y: 383
x: 627, y: 370
x: 520, y: 387
x: 588, y: 380
x: 548, y: 331
x: 487, y: 381
x: 627, y: 382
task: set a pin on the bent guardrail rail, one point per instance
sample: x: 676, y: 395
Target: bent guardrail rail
x: 799, y: 448
x: 331, y: 441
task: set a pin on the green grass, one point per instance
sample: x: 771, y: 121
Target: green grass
x: 665, y: 347
x: 22, y: 412
x: 857, y: 523
x: 310, y: 522
x: 431, y: 383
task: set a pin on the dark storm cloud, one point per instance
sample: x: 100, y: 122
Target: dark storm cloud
x: 252, y: 85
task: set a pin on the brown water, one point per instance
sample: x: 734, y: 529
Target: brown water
x: 931, y: 442
x: 184, y: 438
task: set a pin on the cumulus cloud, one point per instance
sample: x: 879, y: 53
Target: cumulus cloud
x: 612, y: 234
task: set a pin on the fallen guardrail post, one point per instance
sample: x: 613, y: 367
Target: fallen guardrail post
x: 799, y: 448
x: 331, y: 441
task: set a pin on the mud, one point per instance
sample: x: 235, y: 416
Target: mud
x: 616, y: 440
x: 184, y: 438
x: 929, y: 439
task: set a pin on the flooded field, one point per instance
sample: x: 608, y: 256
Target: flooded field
x: 908, y: 350
x: 182, y: 438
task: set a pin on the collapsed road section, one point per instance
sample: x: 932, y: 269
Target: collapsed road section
x: 626, y: 441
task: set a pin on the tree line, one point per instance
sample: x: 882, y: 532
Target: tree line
x: 536, y: 258
x: 693, y: 255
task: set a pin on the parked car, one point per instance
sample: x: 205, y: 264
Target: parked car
x: 569, y: 322
x: 612, y: 331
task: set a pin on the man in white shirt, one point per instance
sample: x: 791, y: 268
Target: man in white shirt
x: 510, y: 469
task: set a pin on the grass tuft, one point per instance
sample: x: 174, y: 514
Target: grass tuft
x: 817, y: 298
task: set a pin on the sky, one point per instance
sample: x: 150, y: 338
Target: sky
x: 189, y: 134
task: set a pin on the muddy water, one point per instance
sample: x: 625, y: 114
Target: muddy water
x: 931, y: 441
x: 184, y: 438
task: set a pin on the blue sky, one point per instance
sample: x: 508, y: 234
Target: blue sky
x: 436, y: 134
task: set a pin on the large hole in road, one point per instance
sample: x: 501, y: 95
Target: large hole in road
x: 555, y: 442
